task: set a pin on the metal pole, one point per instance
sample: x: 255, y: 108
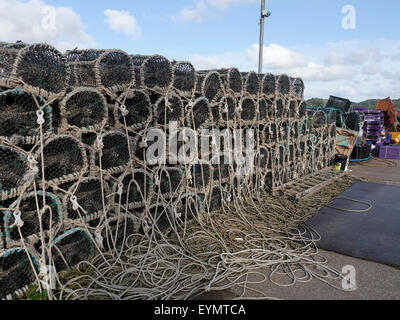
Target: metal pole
x: 261, y: 46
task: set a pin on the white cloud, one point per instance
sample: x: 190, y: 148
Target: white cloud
x: 202, y: 8
x: 360, y: 72
x: 123, y: 22
x: 34, y: 21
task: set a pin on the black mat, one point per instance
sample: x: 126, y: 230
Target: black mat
x: 373, y: 235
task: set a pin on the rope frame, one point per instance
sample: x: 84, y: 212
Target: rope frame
x: 71, y: 176
x: 64, y: 110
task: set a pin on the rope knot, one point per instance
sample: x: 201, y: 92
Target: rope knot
x: 40, y: 117
x: 18, y: 221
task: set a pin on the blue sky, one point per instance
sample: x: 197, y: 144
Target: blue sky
x: 302, y: 38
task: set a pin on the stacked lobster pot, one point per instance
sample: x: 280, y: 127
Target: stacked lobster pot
x: 79, y: 170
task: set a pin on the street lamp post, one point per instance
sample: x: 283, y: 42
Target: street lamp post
x: 264, y: 14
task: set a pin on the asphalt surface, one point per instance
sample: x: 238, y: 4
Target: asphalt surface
x: 374, y: 281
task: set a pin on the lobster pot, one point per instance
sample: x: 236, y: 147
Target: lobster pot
x: 84, y: 108
x: 294, y: 130
x: 282, y: 108
x: 114, y: 71
x: 29, y: 215
x: 265, y: 135
x: 199, y: 115
x: 16, y: 272
x: 209, y: 85
x: 232, y: 80
x: 297, y: 89
x: 187, y: 207
x: 284, y: 131
x: 117, y: 232
x: 89, y: 194
x: 229, y: 111
x: 169, y: 182
x: 157, y: 74
x: 262, y: 115
x: 269, y: 85
x: 262, y: 159
x: 169, y: 109
x: 200, y: 177
x: 139, y: 110
x: 82, y: 64
x: 38, y: 68
x: 13, y: 171
x: 251, y: 83
x: 268, y: 180
x: 138, y: 61
x: 223, y: 165
x: 18, y: 117
x: 293, y: 107
x: 115, y: 156
x: 64, y: 159
x: 248, y: 111
x: 284, y: 85
x: 137, y: 189
x: 72, y: 247
x: 16, y: 45
x: 184, y: 78
x: 274, y: 132
x: 301, y: 110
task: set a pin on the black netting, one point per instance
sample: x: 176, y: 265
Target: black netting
x: 184, y: 77
x: 64, y: 159
x: 262, y: 158
x: 209, y: 85
x: 201, y: 176
x: 199, y: 115
x: 280, y: 107
x: 297, y: 87
x: 214, y: 199
x: 136, y: 189
x: 173, y: 111
x: 269, y: 84
x: 232, y: 79
x: 84, y: 108
x: 302, y: 110
x: 139, y: 107
x: 252, y: 83
x: 293, y: 106
x: 115, y: 70
x: 13, y: 168
x: 15, y: 271
x: 230, y: 107
x: 269, y: 181
x: 115, y: 152
x: 188, y: 206
x: 29, y: 215
x: 318, y: 119
x: 41, y: 66
x: 72, y: 247
x: 7, y: 60
x: 249, y: 109
x: 156, y: 73
x: 262, y: 110
x: 284, y: 131
x: 283, y: 84
x: 170, y: 181
x: 158, y: 217
x: 221, y: 165
x: 88, y: 193
x: 18, y: 116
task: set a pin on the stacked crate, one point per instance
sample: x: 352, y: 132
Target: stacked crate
x: 373, y: 125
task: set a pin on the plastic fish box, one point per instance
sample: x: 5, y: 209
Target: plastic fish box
x: 390, y: 152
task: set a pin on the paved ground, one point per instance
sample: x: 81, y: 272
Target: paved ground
x: 374, y: 280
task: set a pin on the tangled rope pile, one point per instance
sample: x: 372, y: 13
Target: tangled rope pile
x: 78, y: 185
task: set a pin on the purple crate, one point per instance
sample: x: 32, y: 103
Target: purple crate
x: 389, y: 152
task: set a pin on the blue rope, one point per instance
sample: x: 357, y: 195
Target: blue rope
x: 359, y: 160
